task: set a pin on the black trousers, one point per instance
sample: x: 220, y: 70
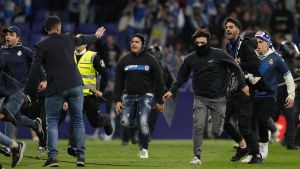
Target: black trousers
x: 263, y: 107
x: 241, y: 104
x: 152, y: 120
x: 290, y: 117
x: 37, y: 109
x: 91, y: 109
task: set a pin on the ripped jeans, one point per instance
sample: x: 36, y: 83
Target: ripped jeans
x: 135, y: 115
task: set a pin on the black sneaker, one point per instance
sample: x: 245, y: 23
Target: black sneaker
x: 240, y: 153
x: 256, y: 159
x: 292, y: 147
x: 5, y: 151
x: 39, y: 128
x: 8, y: 117
x: 71, y: 151
x: 17, y: 154
x: 80, y: 160
x: 108, y: 128
x: 51, y: 162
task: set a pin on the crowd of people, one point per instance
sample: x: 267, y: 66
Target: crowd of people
x: 239, y: 82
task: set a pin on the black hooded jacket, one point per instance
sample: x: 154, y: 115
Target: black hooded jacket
x: 210, y: 73
x: 249, y: 62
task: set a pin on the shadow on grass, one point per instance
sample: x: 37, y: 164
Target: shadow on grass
x: 97, y: 164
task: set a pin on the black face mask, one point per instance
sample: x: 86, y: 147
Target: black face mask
x: 203, y: 49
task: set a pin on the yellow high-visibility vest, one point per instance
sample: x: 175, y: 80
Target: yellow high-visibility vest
x: 87, y: 71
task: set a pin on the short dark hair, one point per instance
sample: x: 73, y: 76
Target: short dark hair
x: 236, y: 22
x: 201, y: 33
x: 51, y: 22
x: 140, y: 36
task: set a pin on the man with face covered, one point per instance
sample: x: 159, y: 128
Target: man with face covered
x: 210, y: 67
x: 138, y: 78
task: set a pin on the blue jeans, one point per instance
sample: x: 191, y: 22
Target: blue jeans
x: 135, y: 115
x: 13, y: 104
x: 53, y: 106
x: 3, y: 138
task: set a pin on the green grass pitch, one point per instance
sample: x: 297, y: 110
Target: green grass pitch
x: 163, y: 154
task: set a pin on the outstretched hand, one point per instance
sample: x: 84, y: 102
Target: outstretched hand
x: 100, y: 32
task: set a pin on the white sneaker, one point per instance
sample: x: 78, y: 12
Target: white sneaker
x: 247, y: 159
x: 42, y: 150
x: 144, y: 154
x: 195, y: 161
x: 264, y: 149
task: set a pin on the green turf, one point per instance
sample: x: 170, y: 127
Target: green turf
x: 165, y: 154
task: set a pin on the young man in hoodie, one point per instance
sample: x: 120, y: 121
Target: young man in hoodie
x: 138, y: 82
x: 210, y: 67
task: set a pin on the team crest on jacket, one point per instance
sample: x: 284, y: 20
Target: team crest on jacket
x: 271, y: 62
x: 147, y: 67
x: 19, y: 53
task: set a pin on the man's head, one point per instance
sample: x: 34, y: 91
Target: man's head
x: 264, y: 42
x: 137, y: 43
x: 52, y: 24
x: 233, y: 28
x: 201, y: 37
x: 248, y: 40
x: 201, y: 40
x: 81, y: 47
x: 12, y: 35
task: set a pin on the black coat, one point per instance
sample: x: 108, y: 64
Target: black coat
x: 249, y: 62
x: 8, y: 85
x: 210, y: 73
x: 56, y: 53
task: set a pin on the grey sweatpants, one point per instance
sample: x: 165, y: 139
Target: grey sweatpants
x: 217, y: 108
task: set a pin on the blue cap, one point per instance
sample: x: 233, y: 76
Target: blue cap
x: 15, y: 29
x: 265, y: 37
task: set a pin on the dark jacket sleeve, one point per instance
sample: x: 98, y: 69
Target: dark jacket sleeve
x: 119, y: 85
x: 182, y: 76
x: 99, y: 66
x: 159, y: 83
x: 33, y: 78
x: 84, y: 39
x: 233, y: 67
x: 29, y: 58
x: 251, y: 62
